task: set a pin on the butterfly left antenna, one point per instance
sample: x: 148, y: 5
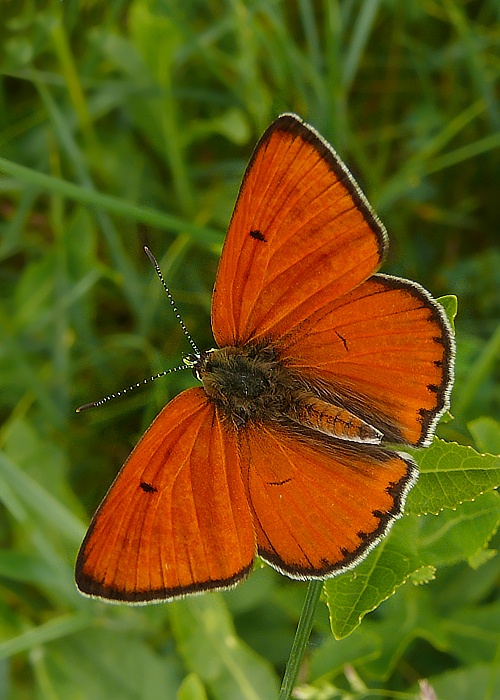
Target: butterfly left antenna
x: 105, y: 399
x: 188, y: 361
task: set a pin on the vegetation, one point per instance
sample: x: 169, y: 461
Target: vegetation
x: 130, y: 122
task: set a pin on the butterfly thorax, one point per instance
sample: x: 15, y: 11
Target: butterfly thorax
x: 247, y: 383
x: 251, y: 384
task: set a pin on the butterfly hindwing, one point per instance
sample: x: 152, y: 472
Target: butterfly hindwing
x: 176, y: 519
x: 385, y: 350
x: 320, y: 506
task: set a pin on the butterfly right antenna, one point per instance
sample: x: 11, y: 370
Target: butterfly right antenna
x: 188, y: 362
x: 171, y: 299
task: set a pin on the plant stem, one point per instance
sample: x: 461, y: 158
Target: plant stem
x: 301, y: 638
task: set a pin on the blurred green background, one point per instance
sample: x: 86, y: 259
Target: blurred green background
x: 130, y: 123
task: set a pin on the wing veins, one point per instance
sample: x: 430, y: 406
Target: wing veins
x: 284, y: 204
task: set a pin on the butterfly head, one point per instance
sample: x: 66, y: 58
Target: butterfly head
x: 193, y: 361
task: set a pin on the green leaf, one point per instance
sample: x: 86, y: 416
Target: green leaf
x: 204, y: 235
x: 19, y: 566
x: 449, y: 475
x: 473, y: 632
x: 22, y: 495
x: 486, y: 433
x: 331, y: 657
x: 107, y: 663
x: 415, y: 548
x: 405, y: 618
x: 210, y: 648
x: 450, y: 306
x: 480, y: 681
x: 53, y: 629
x: 459, y: 534
x: 353, y: 594
x: 191, y: 689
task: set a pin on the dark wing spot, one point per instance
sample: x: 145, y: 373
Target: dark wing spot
x: 342, y: 339
x: 148, y: 488
x: 258, y: 235
x: 433, y: 388
x: 423, y: 415
x: 278, y: 483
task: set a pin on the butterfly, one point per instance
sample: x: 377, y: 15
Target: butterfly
x: 322, y: 367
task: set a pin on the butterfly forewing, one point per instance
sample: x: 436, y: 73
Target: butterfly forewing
x: 301, y: 230
x: 176, y: 520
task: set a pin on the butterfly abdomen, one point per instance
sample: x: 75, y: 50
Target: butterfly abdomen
x: 312, y: 412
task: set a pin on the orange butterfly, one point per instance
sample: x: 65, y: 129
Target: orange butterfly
x: 319, y: 362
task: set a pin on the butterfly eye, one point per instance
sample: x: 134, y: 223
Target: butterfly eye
x: 192, y: 361
x: 199, y: 363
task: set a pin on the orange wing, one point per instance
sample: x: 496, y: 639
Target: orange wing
x: 294, y: 271
x: 318, y: 508
x: 301, y: 230
x: 176, y: 520
x: 384, y: 350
